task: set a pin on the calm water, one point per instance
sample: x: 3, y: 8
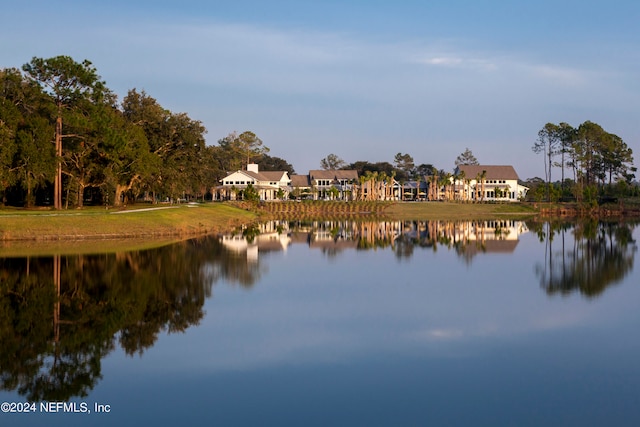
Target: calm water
x: 392, y: 324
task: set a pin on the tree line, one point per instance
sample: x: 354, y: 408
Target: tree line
x: 599, y: 163
x: 66, y: 140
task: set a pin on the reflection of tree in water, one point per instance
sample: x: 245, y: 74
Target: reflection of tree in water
x: 594, y: 256
x: 235, y: 269
x: 53, y: 341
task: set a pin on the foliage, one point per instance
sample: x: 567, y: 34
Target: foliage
x: 73, y: 88
x: 544, y: 191
x: 113, y: 153
x: 466, y: 158
x: 596, y: 157
x: 27, y: 156
x: 404, y: 164
x: 548, y: 143
x: 425, y: 169
x: 241, y: 149
x: 251, y: 193
x: 272, y: 163
x: 332, y: 162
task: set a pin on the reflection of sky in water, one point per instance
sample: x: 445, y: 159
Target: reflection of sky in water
x: 306, y: 311
x: 365, y: 339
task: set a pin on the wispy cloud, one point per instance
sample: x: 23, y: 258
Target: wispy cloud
x: 443, y: 61
x: 457, y: 61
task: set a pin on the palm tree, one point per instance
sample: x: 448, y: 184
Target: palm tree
x: 391, y: 180
x: 477, y: 188
x: 450, y: 186
x: 382, y: 184
x: 374, y: 186
x: 362, y: 179
x: 483, y: 176
x: 454, y: 191
x: 433, y: 185
x: 443, y: 182
x: 461, y: 177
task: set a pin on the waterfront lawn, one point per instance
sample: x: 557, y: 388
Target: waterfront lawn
x: 451, y: 211
x: 144, y: 221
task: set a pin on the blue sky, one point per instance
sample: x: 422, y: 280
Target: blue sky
x: 361, y: 79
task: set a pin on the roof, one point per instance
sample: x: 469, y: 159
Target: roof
x: 272, y: 175
x: 492, y: 171
x: 262, y: 176
x: 333, y: 174
x: 300, y: 181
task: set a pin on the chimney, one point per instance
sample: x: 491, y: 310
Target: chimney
x: 252, y: 167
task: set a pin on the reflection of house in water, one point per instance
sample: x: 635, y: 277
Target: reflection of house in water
x: 495, y: 236
x: 332, y: 237
x: 268, y: 237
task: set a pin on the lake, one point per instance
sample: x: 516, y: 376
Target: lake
x: 341, y: 323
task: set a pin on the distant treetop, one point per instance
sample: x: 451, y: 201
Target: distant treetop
x: 466, y: 158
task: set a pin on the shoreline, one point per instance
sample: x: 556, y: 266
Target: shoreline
x: 177, y: 222
x: 138, y: 222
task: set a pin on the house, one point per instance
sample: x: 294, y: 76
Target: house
x: 487, y: 183
x: 319, y: 184
x: 301, y: 186
x: 413, y: 190
x: 469, y: 183
x: 271, y: 185
x: 325, y: 184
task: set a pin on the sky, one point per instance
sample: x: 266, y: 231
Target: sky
x: 361, y: 79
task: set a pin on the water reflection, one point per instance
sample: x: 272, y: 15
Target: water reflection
x: 60, y: 316
x: 587, y: 256
x: 468, y: 238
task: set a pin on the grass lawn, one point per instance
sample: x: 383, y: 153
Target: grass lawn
x: 138, y: 222
x: 457, y: 211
